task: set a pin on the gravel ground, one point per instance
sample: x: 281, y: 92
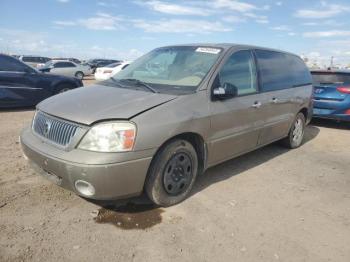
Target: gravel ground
x: 270, y: 205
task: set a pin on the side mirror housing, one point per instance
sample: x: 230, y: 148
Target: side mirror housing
x: 226, y: 91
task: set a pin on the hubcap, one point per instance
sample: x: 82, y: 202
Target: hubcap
x: 177, y: 174
x: 298, y: 131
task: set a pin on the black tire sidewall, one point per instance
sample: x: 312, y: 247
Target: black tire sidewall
x: 60, y: 87
x: 79, y: 73
x: 154, y: 183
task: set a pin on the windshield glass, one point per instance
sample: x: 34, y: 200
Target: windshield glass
x: 49, y: 63
x: 113, y: 65
x: 168, y: 68
x: 331, y: 78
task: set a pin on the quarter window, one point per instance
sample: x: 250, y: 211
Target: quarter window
x: 240, y: 71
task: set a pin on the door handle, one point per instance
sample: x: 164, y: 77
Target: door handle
x: 257, y: 105
x: 275, y: 100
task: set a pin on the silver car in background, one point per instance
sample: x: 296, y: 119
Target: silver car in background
x: 66, y: 68
x: 34, y: 61
x: 167, y: 117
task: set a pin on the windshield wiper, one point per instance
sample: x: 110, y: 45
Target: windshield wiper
x: 140, y: 83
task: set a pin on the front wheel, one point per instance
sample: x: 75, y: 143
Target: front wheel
x: 296, y: 133
x: 79, y: 75
x: 172, y: 173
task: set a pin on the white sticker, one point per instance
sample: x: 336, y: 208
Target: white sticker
x: 209, y: 50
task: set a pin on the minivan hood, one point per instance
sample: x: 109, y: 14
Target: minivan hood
x: 87, y: 105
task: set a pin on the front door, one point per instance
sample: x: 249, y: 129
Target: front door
x: 236, y: 122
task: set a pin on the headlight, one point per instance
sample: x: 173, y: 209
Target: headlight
x: 110, y: 137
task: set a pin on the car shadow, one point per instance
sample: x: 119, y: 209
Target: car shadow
x: 213, y: 175
x: 329, y: 123
x: 245, y: 162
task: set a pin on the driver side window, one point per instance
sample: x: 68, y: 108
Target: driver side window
x: 240, y: 71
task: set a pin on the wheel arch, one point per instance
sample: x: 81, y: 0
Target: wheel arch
x: 197, y: 141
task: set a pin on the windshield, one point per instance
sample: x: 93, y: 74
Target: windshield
x: 113, y: 65
x: 171, y: 68
x: 331, y: 78
x: 49, y: 63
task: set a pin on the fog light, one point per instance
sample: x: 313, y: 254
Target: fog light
x: 84, y: 188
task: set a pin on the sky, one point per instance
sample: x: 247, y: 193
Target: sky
x: 126, y: 29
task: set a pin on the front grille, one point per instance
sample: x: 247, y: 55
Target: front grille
x: 53, y: 129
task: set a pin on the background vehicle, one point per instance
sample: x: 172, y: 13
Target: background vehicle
x: 74, y: 60
x: 66, y: 68
x: 158, y: 130
x: 103, y: 73
x: 95, y: 63
x: 34, y: 61
x: 332, y: 94
x: 21, y: 85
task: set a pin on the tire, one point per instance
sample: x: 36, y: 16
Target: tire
x: 172, y: 173
x: 296, y: 133
x: 79, y: 75
x: 63, y: 88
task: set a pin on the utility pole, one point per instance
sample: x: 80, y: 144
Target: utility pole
x: 332, y: 62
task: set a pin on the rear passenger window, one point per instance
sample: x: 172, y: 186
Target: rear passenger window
x: 275, y: 70
x: 240, y: 71
x: 301, y: 73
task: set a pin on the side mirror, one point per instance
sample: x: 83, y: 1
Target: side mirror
x: 226, y: 91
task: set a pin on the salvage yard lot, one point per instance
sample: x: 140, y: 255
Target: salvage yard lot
x: 270, y: 205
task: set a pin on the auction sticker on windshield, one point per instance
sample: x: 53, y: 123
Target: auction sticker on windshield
x: 208, y: 50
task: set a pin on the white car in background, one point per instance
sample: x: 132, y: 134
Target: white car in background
x: 66, y: 68
x: 104, y: 73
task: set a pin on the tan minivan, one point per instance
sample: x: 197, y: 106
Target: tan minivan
x: 167, y: 117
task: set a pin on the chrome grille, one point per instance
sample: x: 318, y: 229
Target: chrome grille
x: 55, y: 130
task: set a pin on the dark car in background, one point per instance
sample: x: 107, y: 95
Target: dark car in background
x: 96, y: 63
x: 332, y: 94
x: 34, y: 61
x: 22, y: 85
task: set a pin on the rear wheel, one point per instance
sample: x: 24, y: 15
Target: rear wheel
x: 296, y: 133
x: 79, y: 75
x: 172, y: 173
x: 63, y: 88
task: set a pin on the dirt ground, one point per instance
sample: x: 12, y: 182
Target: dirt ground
x: 270, y: 205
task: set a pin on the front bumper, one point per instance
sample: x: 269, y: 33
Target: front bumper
x: 122, y: 178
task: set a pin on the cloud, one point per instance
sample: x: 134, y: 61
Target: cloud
x: 234, y: 19
x: 101, y: 21
x: 279, y: 3
x: 321, y: 34
x: 329, y: 22
x: 327, y: 11
x: 63, y: 1
x: 174, y: 9
x: 181, y: 26
x: 65, y: 23
x: 233, y: 5
x: 281, y: 28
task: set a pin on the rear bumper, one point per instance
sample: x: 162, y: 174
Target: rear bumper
x: 332, y: 109
x: 110, y: 180
x: 337, y: 117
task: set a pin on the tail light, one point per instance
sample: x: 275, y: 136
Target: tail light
x: 107, y: 71
x: 344, y: 89
x: 347, y: 112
